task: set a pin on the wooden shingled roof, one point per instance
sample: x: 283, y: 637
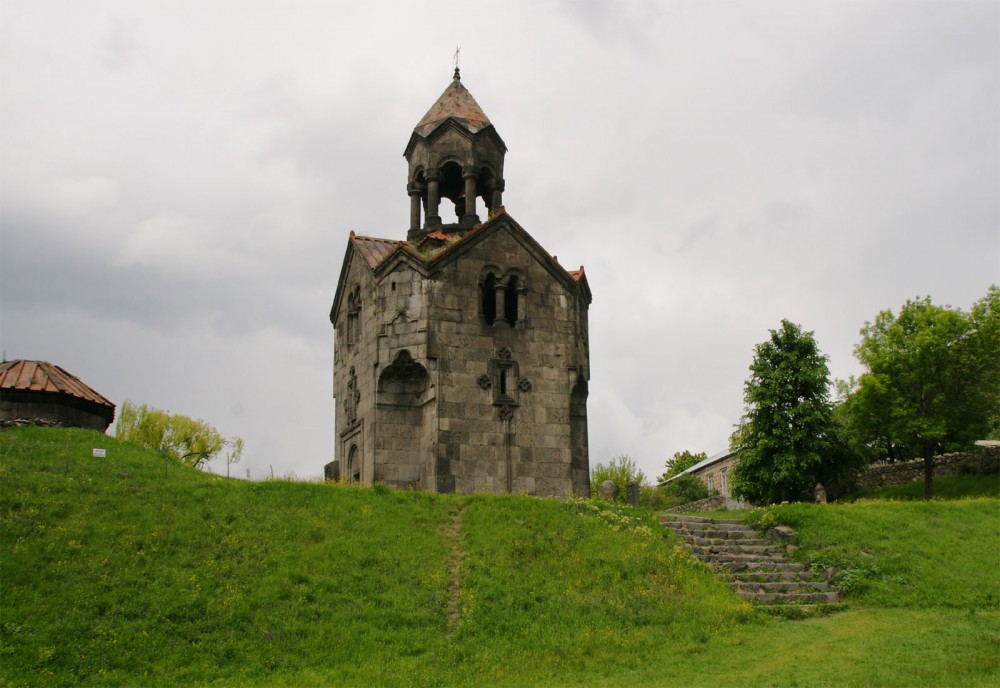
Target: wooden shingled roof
x: 42, y: 376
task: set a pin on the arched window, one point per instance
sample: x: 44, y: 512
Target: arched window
x: 353, y: 315
x: 489, y: 299
x: 510, y: 301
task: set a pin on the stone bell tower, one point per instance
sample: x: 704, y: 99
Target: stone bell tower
x: 461, y: 357
x: 454, y: 154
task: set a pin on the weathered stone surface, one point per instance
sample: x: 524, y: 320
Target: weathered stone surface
x: 607, y: 490
x: 632, y: 493
x: 781, y: 533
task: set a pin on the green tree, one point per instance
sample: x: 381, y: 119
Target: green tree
x: 189, y: 441
x: 985, y: 352
x: 680, y: 462
x: 931, y: 379
x: 234, y: 451
x: 621, y: 470
x: 684, y: 489
x: 787, y: 437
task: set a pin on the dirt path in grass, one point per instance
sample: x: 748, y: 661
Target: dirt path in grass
x: 452, y: 534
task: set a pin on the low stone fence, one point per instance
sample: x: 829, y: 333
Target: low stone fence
x: 7, y: 424
x: 713, y: 503
x: 884, y: 474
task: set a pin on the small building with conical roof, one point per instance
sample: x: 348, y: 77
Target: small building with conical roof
x: 38, y: 391
x: 461, y: 358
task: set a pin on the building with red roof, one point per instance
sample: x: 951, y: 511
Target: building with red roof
x: 39, y: 391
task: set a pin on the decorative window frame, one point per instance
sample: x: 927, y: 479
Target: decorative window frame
x: 504, y: 379
x: 514, y: 288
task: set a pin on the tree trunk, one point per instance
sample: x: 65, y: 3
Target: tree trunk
x: 928, y: 473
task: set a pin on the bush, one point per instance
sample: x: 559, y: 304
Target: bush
x: 621, y: 471
x: 686, y: 488
x: 654, y: 498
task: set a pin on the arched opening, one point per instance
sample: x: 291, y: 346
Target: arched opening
x: 404, y: 377
x: 418, y: 198
x: 489, y: 299
x: 402, y: 403
x: 580, y: 457
x: 484, y: 188
x: 353, y: 315
x: 510, y: 300
x: 453, y: 188
x: 353, y: 465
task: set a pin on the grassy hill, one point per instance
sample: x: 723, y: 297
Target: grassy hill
x: 129, y: 571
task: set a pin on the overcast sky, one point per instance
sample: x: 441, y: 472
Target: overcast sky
x: 180, y: 179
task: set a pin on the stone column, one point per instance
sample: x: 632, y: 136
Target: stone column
x: 414, y: 191
x: 433, y: 199
x: 522, y: 302
x: 470, y: 218
x: 500, y: 293
x: 498, y: 187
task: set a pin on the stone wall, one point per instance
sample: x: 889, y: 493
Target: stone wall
x: 885, y: 474
x: 713, y: 503
x: 60, y: 410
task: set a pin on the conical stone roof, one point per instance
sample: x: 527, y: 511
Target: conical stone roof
x: 455, y: 103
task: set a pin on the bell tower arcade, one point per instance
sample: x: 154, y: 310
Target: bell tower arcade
x: 455, y: 155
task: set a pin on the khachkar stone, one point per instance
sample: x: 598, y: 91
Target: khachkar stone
x: 461, y: 357
x: 632, y: 493
x: 607, y: 490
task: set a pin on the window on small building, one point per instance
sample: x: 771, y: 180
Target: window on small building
x: 725, y: 482
x: 711, y: 483
x: 489, y: 299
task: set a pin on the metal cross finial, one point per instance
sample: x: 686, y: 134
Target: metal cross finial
x: 458, y: 50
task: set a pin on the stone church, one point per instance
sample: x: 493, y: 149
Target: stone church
x: 461, y: 357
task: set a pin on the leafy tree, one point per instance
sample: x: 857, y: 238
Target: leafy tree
x: 192, y: 442
x: 686, y: 488
x: 680, y: 462
x: 931, y: 380
x: 985, y: 352
x: 621, y: 470
x: 787, y: 437
x: 234, y: 451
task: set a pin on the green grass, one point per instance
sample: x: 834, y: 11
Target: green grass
x: 950, y: 487
x: 911, y: 554
x: 112, y: 573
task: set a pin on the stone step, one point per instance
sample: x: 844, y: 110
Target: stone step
x: 767, y: 576
x: 709, y: 541
x: 785, y: 598
x: 783, y: 586
x: 700, y: 550
x: 754, y: 566
x: 696, y: 521
x: 736, y: 563
x: 717, y: 533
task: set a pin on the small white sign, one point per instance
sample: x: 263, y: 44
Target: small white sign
x: 100, y: 453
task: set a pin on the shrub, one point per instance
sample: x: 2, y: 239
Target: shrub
x: 621, y: 470
x: 686, y: 488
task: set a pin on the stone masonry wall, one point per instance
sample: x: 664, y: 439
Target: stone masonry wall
x: 713, y: 503
x: 885, y: 474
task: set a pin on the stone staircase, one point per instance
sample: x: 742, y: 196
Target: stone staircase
x: 755, y: 566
